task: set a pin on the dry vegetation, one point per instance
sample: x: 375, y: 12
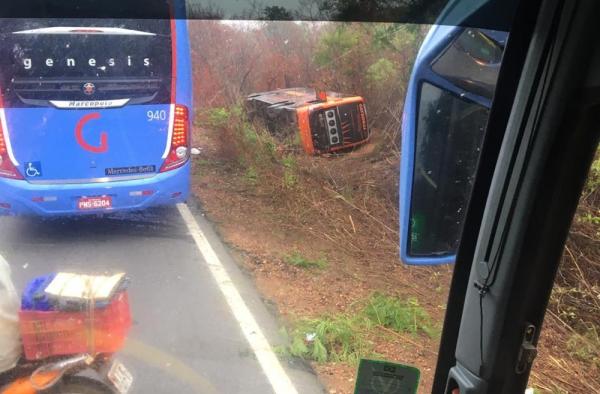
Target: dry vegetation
x: 319, y: 234
x: 572, y: 327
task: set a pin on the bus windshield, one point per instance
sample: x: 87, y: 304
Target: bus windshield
x: 212, y: 204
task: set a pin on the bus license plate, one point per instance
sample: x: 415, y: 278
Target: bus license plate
x: 94, y: 203
x: 120, y: 377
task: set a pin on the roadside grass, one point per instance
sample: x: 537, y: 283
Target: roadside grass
x: 348, y: 337
x: 575, y: 299
x: 586, y: 346
x: 251, y: 175
x: 549, y: 390
x: 290, y: 177
x: 298, y: 260
x: 337, y: 338
x: 399, y: 315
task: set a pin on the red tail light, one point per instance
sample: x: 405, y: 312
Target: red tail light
x: 7, y: 168
x: 179, y: 153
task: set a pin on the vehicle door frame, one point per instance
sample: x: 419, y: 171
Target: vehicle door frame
x: 534, y: 162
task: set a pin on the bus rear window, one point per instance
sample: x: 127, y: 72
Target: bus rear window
x: 52, y: 60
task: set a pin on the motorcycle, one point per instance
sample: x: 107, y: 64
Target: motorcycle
x: 79, y: 374
x: 64, y: 350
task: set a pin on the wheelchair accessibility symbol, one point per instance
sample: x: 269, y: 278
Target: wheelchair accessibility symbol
x: 33, y: 169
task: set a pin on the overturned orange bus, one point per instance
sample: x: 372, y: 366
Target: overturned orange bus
x: 327, y: 121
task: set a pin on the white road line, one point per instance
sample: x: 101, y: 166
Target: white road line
x: 271, y: 366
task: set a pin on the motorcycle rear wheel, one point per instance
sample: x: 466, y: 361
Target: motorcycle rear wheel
x: 79, y: 385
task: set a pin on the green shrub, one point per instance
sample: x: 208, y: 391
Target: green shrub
x: 249, y: 134
x: 586, y: 347
x: 289, y: 161
x: 334, y: 45
x: 338, y: 338
x: 381, y: 72
x: 589, y: 218
x: 290, y: 177
x: 593, y: 181
x: 297, y: 260
x: 251, y: 176
x: 218, y: 117
x: 399, y: 315
x: 257, y: 152
x: 344, y: 337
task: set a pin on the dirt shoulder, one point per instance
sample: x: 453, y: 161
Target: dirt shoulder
x: 340, y: 211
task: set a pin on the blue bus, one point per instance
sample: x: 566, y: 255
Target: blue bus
x: 94, y: 115
x: 443, y: 126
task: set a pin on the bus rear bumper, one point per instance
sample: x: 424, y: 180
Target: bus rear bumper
x: 19, y: 197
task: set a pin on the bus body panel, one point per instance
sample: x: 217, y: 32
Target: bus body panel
x: 52, y: 144
x: 303, y: 115
x: 23, y: 198
x: 182, y: 71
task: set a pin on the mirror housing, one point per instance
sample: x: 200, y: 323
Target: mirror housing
x: 443, y: 126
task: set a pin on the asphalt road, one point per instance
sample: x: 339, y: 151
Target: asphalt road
x: 184, y: 338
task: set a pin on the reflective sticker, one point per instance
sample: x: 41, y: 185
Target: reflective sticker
x: 33, y: 169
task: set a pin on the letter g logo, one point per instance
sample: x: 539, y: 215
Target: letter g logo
x: 103, y: 147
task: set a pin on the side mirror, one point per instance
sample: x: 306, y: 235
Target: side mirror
x: 444, y: 122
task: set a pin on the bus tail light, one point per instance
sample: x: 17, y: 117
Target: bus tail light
x: 7, y: 168
x: 179, y: 153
